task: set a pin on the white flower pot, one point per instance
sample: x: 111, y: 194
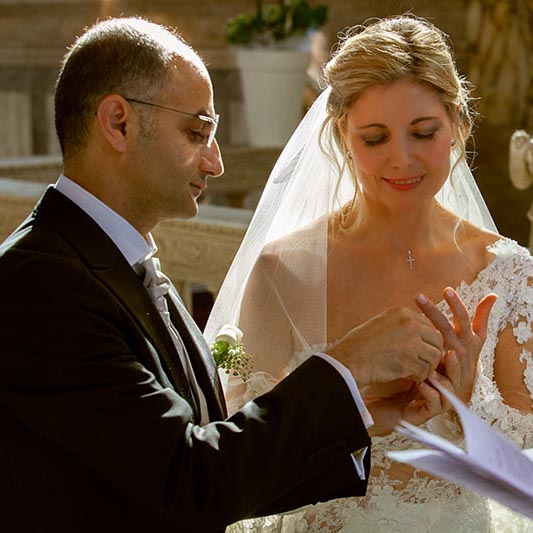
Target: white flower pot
x: 273, y: 83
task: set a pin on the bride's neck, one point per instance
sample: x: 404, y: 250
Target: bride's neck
x: 408, y: 229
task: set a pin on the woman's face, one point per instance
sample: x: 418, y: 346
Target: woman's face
x: 400, y: 138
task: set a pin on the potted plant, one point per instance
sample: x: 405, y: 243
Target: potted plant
x: 271, y: 47
x: 281, y: 25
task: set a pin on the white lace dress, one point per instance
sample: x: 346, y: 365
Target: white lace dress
x: 425, y: 504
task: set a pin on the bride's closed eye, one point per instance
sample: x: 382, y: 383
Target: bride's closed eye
x: 380, y: 139
x: 374, y: 140
x: 426, y: 134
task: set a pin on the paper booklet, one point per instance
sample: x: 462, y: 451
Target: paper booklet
x: 492, y: 465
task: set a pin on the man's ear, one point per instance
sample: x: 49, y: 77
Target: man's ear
x: 113, y: 118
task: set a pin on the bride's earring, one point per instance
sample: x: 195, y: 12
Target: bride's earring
x: 348, y: 154
x: 453, y: 142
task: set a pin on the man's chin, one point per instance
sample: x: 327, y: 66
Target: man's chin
x: 189, y: 211
x: 182, y: 213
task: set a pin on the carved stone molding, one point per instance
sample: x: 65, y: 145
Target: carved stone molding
x: 199, y: 252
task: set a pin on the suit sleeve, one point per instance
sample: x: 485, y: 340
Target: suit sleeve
x: 73, y: 372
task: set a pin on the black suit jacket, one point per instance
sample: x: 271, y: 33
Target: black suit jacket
x: 96, y: 430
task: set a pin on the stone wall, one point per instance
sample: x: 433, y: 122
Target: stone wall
x: 35, y: 33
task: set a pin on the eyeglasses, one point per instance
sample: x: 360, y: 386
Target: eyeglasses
x: 211, y: 121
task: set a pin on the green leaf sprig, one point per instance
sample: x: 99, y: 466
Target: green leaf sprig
x: 229, y: 353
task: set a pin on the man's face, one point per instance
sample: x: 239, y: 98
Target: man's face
x: 171, y: 160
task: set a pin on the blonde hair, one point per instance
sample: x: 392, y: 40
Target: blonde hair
x: 388, y: 50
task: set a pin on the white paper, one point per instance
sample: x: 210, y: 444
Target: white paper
x: 491, y: 466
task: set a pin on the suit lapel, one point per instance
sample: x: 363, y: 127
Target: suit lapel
x: 107, y: 263
x: 199, y: 354
x: 133, y: 295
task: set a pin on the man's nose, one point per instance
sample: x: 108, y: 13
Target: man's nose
x: 211, y: 162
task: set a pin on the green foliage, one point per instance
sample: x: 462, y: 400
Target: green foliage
x: 275, y: 22
x: 232, y: 358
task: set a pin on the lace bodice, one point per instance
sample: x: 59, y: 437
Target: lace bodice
x: 418, y: 502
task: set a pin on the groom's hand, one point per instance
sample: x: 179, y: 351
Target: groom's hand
x: 397, y: 344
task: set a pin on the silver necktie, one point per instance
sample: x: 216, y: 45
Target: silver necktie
x: 158, y: 285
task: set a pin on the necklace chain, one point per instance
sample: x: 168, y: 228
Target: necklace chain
x: 410, y: 259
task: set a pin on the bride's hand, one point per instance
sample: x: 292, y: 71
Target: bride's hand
x: 415, y: 404
x: 462, y: 341
x: 387, y: 390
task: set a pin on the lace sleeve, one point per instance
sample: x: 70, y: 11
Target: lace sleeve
x: 238, y: 392
x: 506, y: 401
x: 513, y: 373
x: 503, y: 392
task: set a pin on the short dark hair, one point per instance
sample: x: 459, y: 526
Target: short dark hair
x: 123, y: 55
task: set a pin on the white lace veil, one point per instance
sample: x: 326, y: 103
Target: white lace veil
x: 289, y: 231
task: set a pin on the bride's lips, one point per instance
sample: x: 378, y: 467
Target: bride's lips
x: 404, y: 184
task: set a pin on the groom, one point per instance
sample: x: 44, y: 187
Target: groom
x: 111, y: 412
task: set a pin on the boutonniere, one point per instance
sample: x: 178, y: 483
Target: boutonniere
x: 229, y: 353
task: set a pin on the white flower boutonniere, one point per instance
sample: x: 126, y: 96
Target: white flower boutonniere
x: 229, y: 353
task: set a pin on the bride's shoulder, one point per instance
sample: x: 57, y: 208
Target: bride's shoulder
x: 280, y: 259
x: 303, y: 240
x: 487, y: 245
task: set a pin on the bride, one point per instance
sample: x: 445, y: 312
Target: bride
x: 370, y: 204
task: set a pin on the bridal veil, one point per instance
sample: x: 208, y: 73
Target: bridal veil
x: 289, y: 231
